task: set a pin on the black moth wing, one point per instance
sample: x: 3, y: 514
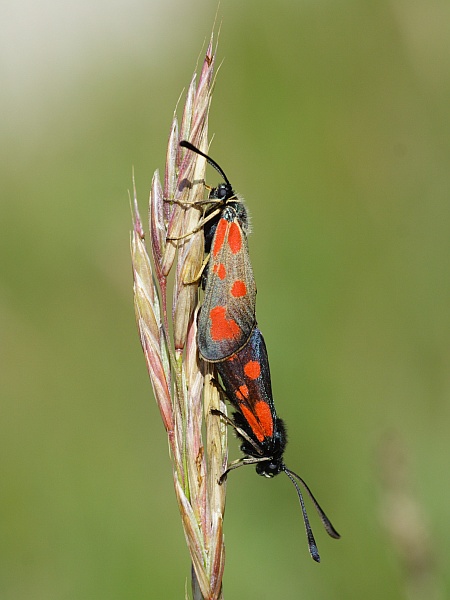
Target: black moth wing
x: 246, y: 379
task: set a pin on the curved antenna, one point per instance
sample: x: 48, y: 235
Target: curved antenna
x: 189, y: 146
x: 309, y: 534
x: 323, y: 517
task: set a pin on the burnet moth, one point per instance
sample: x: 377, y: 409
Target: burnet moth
x: 246, y: 379
x: 227, y: 315
x: 228, y: 336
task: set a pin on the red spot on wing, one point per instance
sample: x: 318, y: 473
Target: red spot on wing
x: 219, y: 236
x: 238, y: 289
x: 264, y: 414
x: 221, y: 327
x: 234, y: 238
x: 220, y: 270
x: 252, y: 421
x: 252, y: 369
x: 242, y: 392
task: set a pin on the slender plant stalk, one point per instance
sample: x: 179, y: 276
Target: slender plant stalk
x: 181, y: 384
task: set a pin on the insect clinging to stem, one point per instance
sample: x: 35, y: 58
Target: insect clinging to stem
x: 228, y: 337
x: 227, y: 315
x: 247, y: 386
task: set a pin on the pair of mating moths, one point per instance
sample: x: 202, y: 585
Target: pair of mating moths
x: 228, y: 336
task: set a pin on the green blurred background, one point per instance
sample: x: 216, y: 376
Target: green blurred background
x: 332, y: 119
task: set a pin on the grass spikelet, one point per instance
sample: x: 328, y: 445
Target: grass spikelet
x: 166, y: 321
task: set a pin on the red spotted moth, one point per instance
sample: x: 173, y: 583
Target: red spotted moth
x: 227, y: 315
x: 228, y: 337
x: 246, y: 379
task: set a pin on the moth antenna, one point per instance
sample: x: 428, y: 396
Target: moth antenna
x: 189, y: 146
x: 323, y: 517
x: 309, y: 534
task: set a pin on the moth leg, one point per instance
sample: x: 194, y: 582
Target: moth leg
x: 184, y: 204
x: 239, y: 431
x: 221, y: 389
x: 241, y: 462
x: 219, y: 413
x: 199, y: 274
x: 200, y: 226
